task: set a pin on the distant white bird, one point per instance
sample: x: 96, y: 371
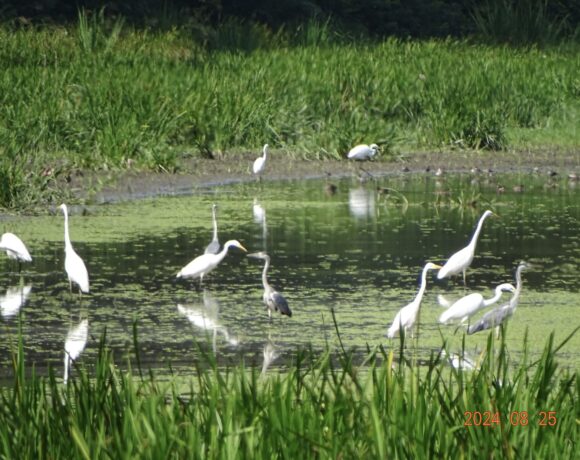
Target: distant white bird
x: 75, y: 343
x: 260, y: 162
x: 15, y: 248
x: 363, y: 152
x: 14, y: 298
x: 73, y: 264
x: 214, y: 246
x: 467, y: 306
x: 499, y: 315
x: 407, y: 315
x: 462, y: 259
x: 205, y: 263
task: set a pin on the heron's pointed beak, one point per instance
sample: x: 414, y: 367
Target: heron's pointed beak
x: 437, y: 267
x: 243, y: 248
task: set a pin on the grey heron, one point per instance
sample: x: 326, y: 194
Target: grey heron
x: 273, y: 300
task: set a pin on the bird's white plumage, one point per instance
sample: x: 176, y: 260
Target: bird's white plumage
x: 73, y: 264
x: 363, y: 152
x: 14, y: 247
x: 260, y: 162
x: 467, y: 306
x: 407, y: 315
x: 462, y: 259
x: 202, y: 265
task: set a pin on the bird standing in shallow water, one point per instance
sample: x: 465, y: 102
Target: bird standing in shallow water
x: 407, y: 315
x: 497, y: 316
x: 260, y: 163
x: 273, y: 300
x: 205, y: 263
x: 462, y: 259
x: 467, y: 306
x: 214, y: 246
x: 15, y: 249
x: 74, y: 266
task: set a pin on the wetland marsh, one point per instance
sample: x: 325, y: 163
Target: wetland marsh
x: 358, y: 251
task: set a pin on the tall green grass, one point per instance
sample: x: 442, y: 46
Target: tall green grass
x: 102, y: 95
x: 321, y: 406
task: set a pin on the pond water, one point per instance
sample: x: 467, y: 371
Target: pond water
x: 359, y: 251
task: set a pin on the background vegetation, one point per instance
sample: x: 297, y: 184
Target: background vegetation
x: 148, y: 87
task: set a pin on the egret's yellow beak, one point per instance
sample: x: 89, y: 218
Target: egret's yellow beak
x: 242, y: 248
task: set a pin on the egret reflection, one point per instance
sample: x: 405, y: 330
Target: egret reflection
x: 270, y: 354
x: 259, y: 214
x: 76, y: 341
x: 204, y: 315
x: 14, y: 299
x: 361, y: 203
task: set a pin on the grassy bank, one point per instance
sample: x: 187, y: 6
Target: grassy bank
x: 101, y: 95
x: 320, y: 407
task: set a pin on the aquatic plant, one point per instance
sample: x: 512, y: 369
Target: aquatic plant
x: 324, y: 405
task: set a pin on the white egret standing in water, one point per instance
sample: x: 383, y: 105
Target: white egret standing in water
x: 205, y: 263
x: 467, y: 306
x: 15, y: 249
x: 73, y: 264
x: 497, y: 316
x: 462, y: 259
x: 260, y: 163
x: 407, y: 315
x: 273, y: 300
x: 214, y: 246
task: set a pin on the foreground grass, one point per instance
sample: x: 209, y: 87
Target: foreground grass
x: 100, y: 96
x: 322, y: 407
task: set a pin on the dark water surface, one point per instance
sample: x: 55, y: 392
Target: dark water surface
x: 359, y: 251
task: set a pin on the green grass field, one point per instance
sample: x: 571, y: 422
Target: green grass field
x: 321, y: 406
x: 101, y: 95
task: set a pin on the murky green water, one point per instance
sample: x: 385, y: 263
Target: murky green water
x: 357, y: 250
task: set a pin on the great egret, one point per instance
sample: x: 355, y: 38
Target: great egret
x: 260, y: 162
x: 497, y: 316
x: 73, y: 264
x: 407, y: 315
x: 214, y: 246
x: 273, y: 300
x: 467, y: 306
x: 15, y: 249
x: 462, y: 259
x: 205, y: 263
x: 363, y: 152
x: 75, y: 343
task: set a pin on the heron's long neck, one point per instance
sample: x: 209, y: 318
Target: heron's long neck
x: 473, y: 241
x: 214, y: 226
x: 264, y: 273
x: 265, y: 153
x: 67, y: 243
x: 515, y: 298
x: 494, y: 299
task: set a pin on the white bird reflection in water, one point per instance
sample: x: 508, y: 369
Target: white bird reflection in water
x: 260, y: 218
x: 14, y: 299
x: 205, y: 316
x: 459, y: 362
x: 75, y: 343
x: 270, y: 354
x: 361, y: 202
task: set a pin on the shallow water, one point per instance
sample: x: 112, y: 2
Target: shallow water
x: 359, y: 251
